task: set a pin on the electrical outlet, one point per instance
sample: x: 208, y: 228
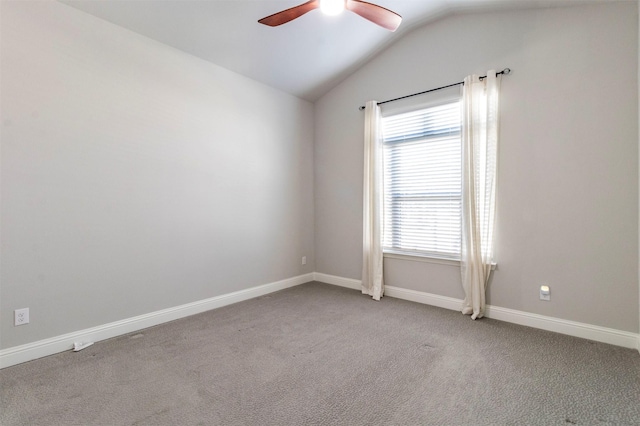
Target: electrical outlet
x: 304, y: 260
x: 545, y: 292
x: 21, y: 316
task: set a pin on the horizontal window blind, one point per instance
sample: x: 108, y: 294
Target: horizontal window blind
x: 422, y: 182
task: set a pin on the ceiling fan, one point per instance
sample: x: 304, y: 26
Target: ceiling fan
x: 372, y: 12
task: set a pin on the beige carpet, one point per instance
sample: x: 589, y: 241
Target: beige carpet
x: 319, y: 354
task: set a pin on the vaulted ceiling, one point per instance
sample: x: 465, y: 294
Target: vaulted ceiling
x: 305, y: 57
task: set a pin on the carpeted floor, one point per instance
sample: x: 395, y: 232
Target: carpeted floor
x: 319, y: 354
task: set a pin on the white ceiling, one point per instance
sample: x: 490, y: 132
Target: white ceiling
x: 305, y: 57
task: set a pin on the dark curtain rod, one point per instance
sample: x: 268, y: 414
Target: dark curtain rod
x: 505, y: 71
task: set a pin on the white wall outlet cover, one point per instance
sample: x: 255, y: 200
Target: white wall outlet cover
x: 545, y: 292
x: 21, y: 316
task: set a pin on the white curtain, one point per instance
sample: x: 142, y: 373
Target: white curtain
x: 479, y: 167
x: 372, y: 281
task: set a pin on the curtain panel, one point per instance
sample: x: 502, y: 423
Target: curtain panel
x: 372, y: 274
x: 479, y: 169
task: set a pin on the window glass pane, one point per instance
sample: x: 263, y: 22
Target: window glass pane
x: 422, y: 181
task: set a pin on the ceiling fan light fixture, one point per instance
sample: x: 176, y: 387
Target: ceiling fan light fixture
x: 332, y: 7
x: 385, y: 18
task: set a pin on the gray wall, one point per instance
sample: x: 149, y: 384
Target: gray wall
x: 136, y: 177
x: 568, y: 171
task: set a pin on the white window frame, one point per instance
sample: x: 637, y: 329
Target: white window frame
x: 448, y: 97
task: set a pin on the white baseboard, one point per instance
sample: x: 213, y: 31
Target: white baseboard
x: 572, y: 328
x: 30, y: 351
x: 424, y: 298
x: 339, y: 281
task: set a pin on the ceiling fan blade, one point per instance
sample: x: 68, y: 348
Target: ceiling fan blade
x: 376, y: 14
x: 290, y: 14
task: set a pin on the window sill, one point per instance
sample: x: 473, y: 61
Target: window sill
x: 427, y: 259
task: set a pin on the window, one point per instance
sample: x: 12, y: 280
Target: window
x: 423, y: 181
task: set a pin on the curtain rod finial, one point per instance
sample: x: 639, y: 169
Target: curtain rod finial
x: 506, y: 71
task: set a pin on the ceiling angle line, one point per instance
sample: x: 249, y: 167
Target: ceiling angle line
x: 505, y: 71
